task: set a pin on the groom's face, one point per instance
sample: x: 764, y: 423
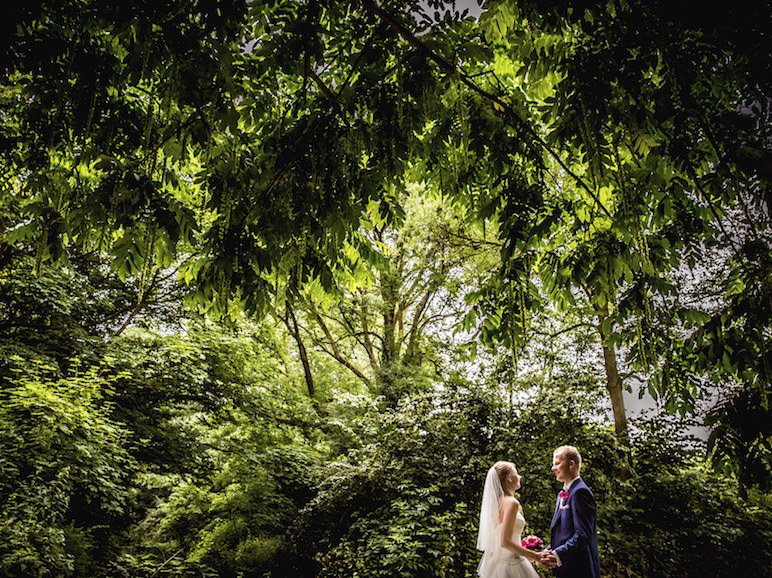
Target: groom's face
x: 562, y: 468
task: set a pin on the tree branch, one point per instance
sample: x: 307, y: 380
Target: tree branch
x: 295, y: 331
x: 564, y: 330
x: 465, y: 79
x: 335, y: 352
x: 331, y: 96
x: 346, y: 363
x: 368, y: 342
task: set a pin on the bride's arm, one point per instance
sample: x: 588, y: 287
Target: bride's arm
x: 511, y: 507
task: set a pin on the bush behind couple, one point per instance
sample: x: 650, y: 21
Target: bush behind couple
x: 573, y: 535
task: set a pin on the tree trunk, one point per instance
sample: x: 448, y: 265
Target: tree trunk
x: 387, y: 376
x: 389, y: 290
x: 292, y: 324
x: 615, y: 388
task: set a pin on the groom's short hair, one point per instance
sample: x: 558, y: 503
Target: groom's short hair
x: 571, y: 453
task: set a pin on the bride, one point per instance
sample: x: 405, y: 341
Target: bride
x: 501, y: 524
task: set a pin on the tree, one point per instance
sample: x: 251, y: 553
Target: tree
x: 647, y: 112
x: 245, y: 143
x: 389, y: 320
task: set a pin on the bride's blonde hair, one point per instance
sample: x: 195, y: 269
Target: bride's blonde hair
x: 503, y: 469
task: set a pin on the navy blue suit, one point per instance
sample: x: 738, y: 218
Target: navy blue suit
x: 573, y: 534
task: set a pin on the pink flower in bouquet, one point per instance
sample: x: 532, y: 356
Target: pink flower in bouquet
x: 532, y: 542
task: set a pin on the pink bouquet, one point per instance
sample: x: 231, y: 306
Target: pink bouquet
x: 532, y: 542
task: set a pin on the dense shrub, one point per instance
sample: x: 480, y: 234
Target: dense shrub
x: 680, y: 519
x: 405, y: 502
x: 64, y: 474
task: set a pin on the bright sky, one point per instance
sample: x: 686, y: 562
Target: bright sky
x: 472, y: 5
x: 460, y: 5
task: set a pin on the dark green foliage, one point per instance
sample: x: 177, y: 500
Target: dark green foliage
x: 56, y: 315
x: 405, y: 502
x: 227, y: 447
x: 679, y: 510
x: 609, y: 161
x: 64, y: 471
x: 739, y: 441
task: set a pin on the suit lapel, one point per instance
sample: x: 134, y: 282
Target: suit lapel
x: 556, y: 515
x: 557, y: 512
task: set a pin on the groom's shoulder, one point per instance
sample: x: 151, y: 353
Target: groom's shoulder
x: 582, y: 485
x: 584, y: 494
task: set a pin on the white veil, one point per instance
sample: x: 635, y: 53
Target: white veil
x: 488, y: 538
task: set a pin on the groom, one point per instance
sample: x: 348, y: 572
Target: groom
x: 574, y: 552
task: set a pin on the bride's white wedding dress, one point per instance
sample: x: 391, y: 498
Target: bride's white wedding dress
x: 502, y: 563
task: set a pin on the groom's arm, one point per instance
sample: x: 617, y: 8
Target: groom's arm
x: 583, y: 513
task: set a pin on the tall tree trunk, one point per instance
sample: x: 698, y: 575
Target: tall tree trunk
x: 389, y: 293
x: 387, y: 376
x: 615, y: 388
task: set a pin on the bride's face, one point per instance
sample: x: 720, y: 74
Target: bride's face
x: 513, y: 480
